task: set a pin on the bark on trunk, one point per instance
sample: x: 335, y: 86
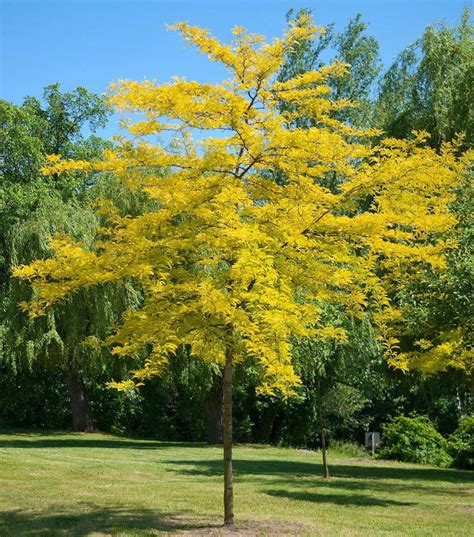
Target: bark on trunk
x: 214, y: 412
x: 81, y: 420
x: 322, y: 430
x: 228, y: 485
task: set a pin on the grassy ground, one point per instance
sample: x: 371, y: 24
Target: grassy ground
x: 76, y: 485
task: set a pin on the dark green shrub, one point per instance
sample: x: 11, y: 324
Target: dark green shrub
x: 414, y: 440
x: 461, y: 444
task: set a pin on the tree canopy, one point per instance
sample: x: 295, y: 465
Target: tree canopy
x: 229, y: 247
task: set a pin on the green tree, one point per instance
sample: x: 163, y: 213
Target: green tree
x: 430, y: 86
x: 28, y: 133
x: 351, y: 46
x: 33, y: 207
x: 338, y: 377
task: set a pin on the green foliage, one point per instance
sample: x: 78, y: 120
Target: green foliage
x: 173, y: 404
x: 414, y: 440
x: 430, y: 86
x: 461, y: 444
x: 63, y: 117
x: 21, y: 149
x: 361, y: 52
x: 27, y: 134
x: 37, y: 128
x: 33, y: 398
x: 33, y: 208
x: 351, y: 46
x: 343, y: 375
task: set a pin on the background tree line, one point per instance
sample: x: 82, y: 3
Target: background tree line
x: 49, y: 378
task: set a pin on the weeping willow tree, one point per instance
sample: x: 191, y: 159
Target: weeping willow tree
x: 33, y: 208
x: 430, y: 86
x: 58, y: 340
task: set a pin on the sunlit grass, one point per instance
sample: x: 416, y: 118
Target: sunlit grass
x: 74, y: 484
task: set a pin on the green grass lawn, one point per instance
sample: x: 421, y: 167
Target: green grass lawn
x: 96, y: 485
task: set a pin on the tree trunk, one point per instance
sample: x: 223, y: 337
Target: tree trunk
x: 322, y: 430
x: 81, y: 420
x: 228, y: 485
x: 214, y: 412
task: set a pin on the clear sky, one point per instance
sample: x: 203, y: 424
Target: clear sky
x: 94, y: 42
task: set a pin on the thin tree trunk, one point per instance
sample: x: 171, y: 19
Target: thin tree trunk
x: 228, y: 484
x: 322, y: 430
x: 214, y: 412
x: 81, y: 420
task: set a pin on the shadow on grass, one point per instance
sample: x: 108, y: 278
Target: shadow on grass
x: 294, y: 469
x: 357, y: 485
x: 88, y: 520
x: 338, y: 499
x: 54, y: 439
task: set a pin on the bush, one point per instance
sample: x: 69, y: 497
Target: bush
x: 414, y: 440
x: 461, y: 444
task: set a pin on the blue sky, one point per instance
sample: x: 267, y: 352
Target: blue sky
x: 91, y: 43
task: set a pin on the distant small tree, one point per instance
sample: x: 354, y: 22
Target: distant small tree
x: 232, y: 263
x: 335, y: 374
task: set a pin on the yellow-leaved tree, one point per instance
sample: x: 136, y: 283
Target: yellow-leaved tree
x: 251, y: 233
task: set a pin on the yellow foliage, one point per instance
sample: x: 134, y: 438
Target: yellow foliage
x: 452, y: 351
x: 232, y: 258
